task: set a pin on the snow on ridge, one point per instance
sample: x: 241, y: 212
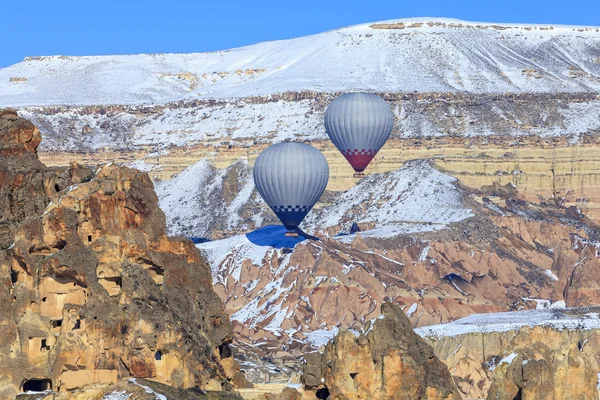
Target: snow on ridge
x: 414, y: 198
x: 562, y: 319
x: 320, y: 337
x: 464, y: 23
x: 236, y: 249
x: 438, y: 58
x: 192, y: 200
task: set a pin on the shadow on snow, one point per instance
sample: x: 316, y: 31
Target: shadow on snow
x: 274, y: 236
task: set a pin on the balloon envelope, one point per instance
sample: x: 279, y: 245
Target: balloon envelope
x: 359, y: 124
x: 291, y: 177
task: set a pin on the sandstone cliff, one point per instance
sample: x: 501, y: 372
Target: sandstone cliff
x: 389, y: 361
x: 545, y: 354
x: 94, y: 290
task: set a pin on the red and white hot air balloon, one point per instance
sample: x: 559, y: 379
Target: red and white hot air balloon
x: 359, y: 124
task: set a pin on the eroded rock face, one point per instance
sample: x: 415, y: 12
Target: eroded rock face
x: 94, y: 290
x: 546, y: 373
x: 21, y: 174
x: 526, y: 362
x: 390, y: 361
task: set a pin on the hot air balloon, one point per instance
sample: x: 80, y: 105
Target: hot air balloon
x: 291, y: 177
x: 359, y: 124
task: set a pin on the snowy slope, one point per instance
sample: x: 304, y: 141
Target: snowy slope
x: 241, y: 122
x: 570, y: 319
x: 414, y: 198
x: 205, y: 202
x: 427, y: 54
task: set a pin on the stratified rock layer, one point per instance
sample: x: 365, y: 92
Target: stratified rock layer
x: 390, y: 361
x: 94, y: 290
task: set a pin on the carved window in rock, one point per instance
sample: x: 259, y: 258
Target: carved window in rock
x: 37, y: 385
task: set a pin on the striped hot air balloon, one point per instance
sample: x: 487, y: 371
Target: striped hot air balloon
x: 359, y: 124
x: 291, y: 177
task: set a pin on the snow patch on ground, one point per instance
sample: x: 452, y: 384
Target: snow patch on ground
x: 550, y: 275
x: 320, y: 337
x: 234, y: 250
x: 148, y: 390
x: 506, y: 360
x: 117, y: 396
x: 411, y: 310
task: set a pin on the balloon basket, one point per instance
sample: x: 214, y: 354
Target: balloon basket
x: 291, y: 234
x: 359, y: 175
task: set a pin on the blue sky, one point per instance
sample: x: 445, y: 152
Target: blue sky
x: 127, y: 27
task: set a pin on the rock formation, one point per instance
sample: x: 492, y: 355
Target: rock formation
x: 287, y: 393
x: 389, y: 361
x: 94, y: 290
x: 545, y: 354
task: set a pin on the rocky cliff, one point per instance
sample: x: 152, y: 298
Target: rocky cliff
x: 389, y: 361
x: 545, y: 354
x: 94, y: 290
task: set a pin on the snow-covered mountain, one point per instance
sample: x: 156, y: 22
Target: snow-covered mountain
x: 423, y: 54
x: 204, y: 202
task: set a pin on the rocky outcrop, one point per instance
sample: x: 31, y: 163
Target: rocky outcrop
x: 546, y: 354
x: 389, y: 361
x: 94, y: 290
x: 287, y: 393
x: 22, y: 180
x: 546, y: 373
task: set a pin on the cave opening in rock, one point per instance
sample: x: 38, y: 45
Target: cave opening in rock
x: 44, y: 345
x: 56, y: 187
x: 89, y: 238
x: 14, y: 276
x: 57, y: 323
x: 225, y: 351
x: 37, y: 385
x: 519, y: 395
x: 323, y: 393
x: 158, y: 355
x: 353, y: 375
x: 77, y: 324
